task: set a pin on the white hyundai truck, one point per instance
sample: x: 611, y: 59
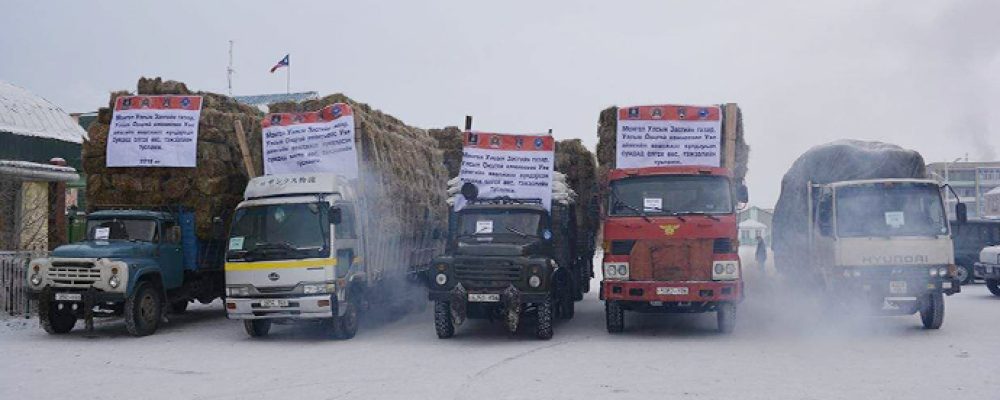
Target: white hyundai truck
x: 302, y: 248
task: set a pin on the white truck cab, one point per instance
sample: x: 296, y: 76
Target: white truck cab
x: 293, y: 254
x: 988, y: 267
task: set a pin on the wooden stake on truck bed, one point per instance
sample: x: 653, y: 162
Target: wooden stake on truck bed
x: 730, y: 127
x: 241, y: 139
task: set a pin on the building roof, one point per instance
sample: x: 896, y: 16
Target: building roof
x: 31, y: 171
x: 27, y: 114
x: 993, y: 191
x: 263, y: 100
x: 752, y: 224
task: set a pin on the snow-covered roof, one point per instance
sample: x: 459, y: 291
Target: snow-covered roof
x: 995, y: 190
x: 27, y: 114
x: 752, y: 224
x: 35, y: 171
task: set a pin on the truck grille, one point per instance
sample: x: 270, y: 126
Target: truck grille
x: 73, y: 277
x: 487, y: 274
x: 275, y: 289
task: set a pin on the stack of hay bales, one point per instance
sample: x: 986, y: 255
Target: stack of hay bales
x: 212, y: 189
x: 607, y: 134
x: 449, y: 140
x: 403, y: 182
x: 577, y: 162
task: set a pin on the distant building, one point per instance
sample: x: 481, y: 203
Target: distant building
x: 755, y: 221
x: 262, y: 101
x: 39, y: 155
x: 970, y: 180
x: 991, y: 203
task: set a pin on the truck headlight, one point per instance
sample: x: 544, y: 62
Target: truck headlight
x: 534, y: 281
x: 933, y: 271
x: 36, y: 279
x: 939, y: 271
x: 441, y: 279
x: 237, y: 291
x: 114, y: 282
x: 616, y: 271
x: 318, y: 288
x: 725, y: 270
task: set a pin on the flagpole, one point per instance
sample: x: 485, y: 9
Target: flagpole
x: 288, y: 78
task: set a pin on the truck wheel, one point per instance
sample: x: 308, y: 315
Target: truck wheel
x: 994, y: 286
x: 932, y: 311
x: 964, y: 274
x: 257, y: 327
x: 614, y: 316
x: 143, y: 310
x: 346, y: 326
x: 55, y: 321
x: 544, y: 329
x: 179, y: 306
x: 726, y: 316
x: 443, y: 323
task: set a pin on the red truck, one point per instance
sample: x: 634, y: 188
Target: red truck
x: 670, y: 230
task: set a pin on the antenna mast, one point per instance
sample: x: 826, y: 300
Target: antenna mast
x: 230, y: 70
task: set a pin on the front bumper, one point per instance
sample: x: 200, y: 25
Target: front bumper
x: 87, y: 296
x: 657, y: 291
x: 459, y: 294
x: 988, y: 271
x: 305, y: 307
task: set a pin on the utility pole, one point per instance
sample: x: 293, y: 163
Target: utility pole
x: 230, y: 70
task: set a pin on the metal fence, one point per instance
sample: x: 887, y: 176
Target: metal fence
x: 13, y: 281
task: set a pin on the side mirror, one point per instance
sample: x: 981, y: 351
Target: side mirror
x: 470, y: 191
x: 743, y: 195
x: 217, y: 228
x: 335, y: 215
x: 961, y: 213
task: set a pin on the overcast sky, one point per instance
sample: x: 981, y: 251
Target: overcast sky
x: 921, y: 74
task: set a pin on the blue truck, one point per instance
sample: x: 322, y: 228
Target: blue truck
x: 139, y: 264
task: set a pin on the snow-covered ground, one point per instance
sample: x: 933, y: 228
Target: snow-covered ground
x: 782, y: 349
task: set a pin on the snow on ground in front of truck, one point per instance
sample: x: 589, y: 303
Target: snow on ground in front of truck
x: 780, y: 350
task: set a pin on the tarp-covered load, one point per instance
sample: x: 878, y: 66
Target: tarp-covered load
x: 402, y: 182
x: 843, y: 160
x: 212, y: 189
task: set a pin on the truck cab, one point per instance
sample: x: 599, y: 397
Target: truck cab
x: 295, y: 254
x: 884, y: 245
x: 670, y: 243
x: 132, y: 263
x: 988, y: 267
x: 501, y: 262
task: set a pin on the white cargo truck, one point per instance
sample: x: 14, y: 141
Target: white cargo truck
x: 302, y: 247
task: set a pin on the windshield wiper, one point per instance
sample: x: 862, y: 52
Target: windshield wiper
x: 669, y: 212
x: 707, y: 215
x: 519, y: 233
x: 618, y: 202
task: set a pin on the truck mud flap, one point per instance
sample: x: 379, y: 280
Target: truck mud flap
x: 459, y: 297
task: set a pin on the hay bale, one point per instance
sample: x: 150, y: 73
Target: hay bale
x: 449, y: 141
x: 212, y: 189
x: 578, y: 164
x: 402, y: 177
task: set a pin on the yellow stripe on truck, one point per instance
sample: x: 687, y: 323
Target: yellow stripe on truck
x: 258, y: 265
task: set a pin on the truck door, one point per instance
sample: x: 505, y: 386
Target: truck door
x: 171, y: 257
x: 346, y: 244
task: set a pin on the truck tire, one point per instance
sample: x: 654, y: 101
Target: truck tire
x: 726, y: 316
x: 994, y: 286
x: 443, y: 323
x: 544, y: 310
x: 964, y: 274
x: 143, y: 310
x: 932, y: 311
x: 346, y: 326
x: 614, y: 316
x: 179, y: 306
x: 55, y: 321
x: 257, y: 327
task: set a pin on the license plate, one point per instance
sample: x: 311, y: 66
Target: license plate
x: 671, y: 290
x: 897, y: 287
x: 69, y: 297
x: 484, y: 297
x: 274, y: 303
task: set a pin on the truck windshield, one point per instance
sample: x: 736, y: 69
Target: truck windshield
x: 481, y: 224
x: 670, y: 195
x: 143, y: 230
x: 890, y: 209
x: 280, y: 231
